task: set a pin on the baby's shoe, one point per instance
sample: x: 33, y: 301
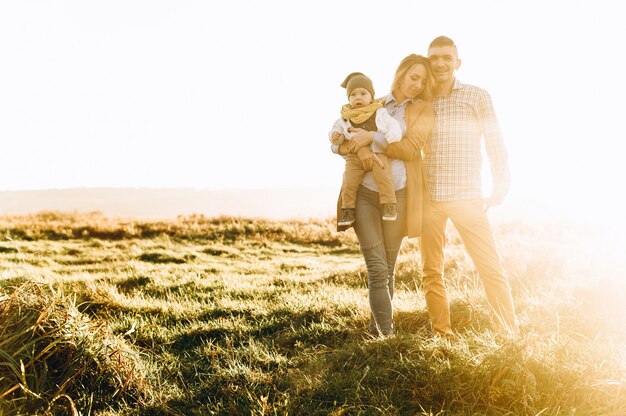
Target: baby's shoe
x: 347, y: 217
x: 390, y: 212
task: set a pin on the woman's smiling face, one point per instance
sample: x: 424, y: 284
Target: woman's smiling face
x: 413, y: 83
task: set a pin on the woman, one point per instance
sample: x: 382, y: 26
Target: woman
x: 409, y: 103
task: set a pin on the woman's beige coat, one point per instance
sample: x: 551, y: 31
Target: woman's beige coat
x: 420, y: 121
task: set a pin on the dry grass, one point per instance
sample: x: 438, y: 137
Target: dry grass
x: 201, y: 316
x: 56, y: 359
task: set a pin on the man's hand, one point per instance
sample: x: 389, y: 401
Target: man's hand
x: 492, y: 201
x: 360, y: 139
x: 368, y: 158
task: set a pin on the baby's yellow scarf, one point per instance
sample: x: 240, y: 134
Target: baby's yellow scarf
x: 359, y: 115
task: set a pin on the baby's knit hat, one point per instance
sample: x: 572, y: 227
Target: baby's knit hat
x: 357, y: 80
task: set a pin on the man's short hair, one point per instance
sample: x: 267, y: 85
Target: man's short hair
x: 441, y: 41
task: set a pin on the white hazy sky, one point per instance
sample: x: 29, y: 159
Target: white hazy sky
x: 241, y: 94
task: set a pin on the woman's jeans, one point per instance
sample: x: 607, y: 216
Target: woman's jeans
x: 380, y: 242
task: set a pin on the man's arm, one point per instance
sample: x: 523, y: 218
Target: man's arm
x: 495, y: 148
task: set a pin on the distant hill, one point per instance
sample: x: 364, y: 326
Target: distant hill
x: 272, y: 203
x: 283, y: 203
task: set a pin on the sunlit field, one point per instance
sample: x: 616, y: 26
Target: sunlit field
x: 233, y: 316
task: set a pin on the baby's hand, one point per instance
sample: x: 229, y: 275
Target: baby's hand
x: 337, y: 138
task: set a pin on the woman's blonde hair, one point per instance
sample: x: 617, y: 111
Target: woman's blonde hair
x: 408, y: 63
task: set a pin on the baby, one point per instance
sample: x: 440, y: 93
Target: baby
x: 363, y: 112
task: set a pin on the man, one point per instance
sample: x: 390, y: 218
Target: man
x: 453, y: 165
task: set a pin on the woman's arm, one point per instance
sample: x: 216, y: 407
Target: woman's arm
x: 420, y: 119
x: 368, y: 158
x: 343, y: 149
x: 360, y: 139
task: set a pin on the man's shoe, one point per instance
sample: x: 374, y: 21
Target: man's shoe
x: 390, y: 213
x: 347, y: 217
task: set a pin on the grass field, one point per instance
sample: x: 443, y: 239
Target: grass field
x: 232, y: 316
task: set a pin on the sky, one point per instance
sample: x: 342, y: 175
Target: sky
x: 241, y: 94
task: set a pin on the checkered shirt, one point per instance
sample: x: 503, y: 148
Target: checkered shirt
x: 453, y: 164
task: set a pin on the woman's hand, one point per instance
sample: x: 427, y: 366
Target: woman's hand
x: 343, y: 149
x: 360, y: 139
x: 368, y: 158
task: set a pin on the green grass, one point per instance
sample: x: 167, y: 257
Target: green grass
x: 222, y: 316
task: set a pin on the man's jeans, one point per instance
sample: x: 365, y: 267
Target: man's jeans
x: 380, y: 242
x: 470, y: 220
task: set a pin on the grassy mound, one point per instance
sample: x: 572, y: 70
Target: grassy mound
x: 54, y: 359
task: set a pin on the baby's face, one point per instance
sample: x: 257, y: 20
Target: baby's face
x: 359, y: 97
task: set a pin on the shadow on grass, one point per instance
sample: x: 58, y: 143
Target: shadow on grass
x: 133, y: 284
x: 287, y: 328
x: 304, y: 362
x: 284, y: 328
x: 349, y: 278
x: 156, y: 257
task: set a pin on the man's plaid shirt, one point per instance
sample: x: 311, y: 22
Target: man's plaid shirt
x: 453, y: 164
